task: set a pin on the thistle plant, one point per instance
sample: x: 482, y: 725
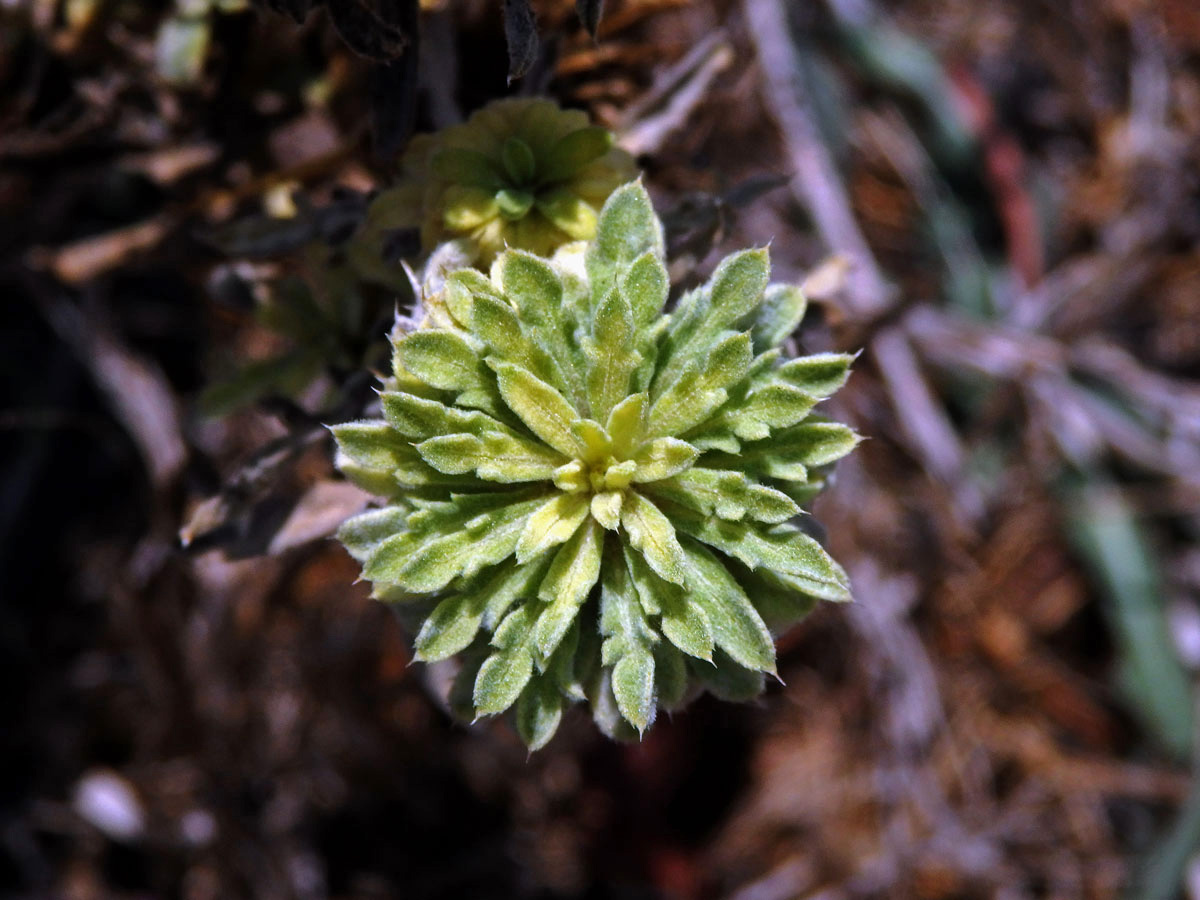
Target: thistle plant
x: 520, y: 172
x: 591, y: 499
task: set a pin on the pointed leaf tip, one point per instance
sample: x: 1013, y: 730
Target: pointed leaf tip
x: 520, y: 30
x: 589, y: 12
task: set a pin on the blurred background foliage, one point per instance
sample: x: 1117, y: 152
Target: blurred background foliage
x: 996, y: 202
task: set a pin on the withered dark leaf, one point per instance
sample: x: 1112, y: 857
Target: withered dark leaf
x: 393, y: 84
x: 520, y: 30
x: 373, y: 29
x: 590, y: 12
x: 297, y: 9
x: 261, y: 236
x: 393, y: 93
x: 267, y: 237
x: 378, y: 29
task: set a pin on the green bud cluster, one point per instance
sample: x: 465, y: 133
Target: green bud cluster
x: 591, y: 499
x: 520, y: 172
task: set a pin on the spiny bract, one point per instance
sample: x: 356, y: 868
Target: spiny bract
x: 591, y: 499
x: 520, y: 172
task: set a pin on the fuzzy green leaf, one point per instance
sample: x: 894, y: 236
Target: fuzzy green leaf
x: 737, y: 288
x: 496, y: 456
x: 662, y: 458
x: 417, y: 418
x: 542, y: 408
x: 373, y: 481
x: 627, y: 228
x: 781, y: 548
x: 652, y: 533
x: 451, y: 627
x: 461, y: 289
x: 753, y: 418
x: 442, y: 359
x: 780, y: 599
x: 627, y: 647
x: 737, y: 628
x: 430, y: 557
x: 501, y: 679
x: 789, y: 453
x: 553, y: 524
x: 633, y: 686
x: 606, y: 508
x: 782, y: 310
x: 699, y: 392
x: 727, y: 495
x: 366, y: 531
x: 513, y: 203
x: 646, y: 583
x: 505, y: 673
x: 533, y: 287
x: 644, y: 286
x: 572, y: 575
x: 455, y: 622
x: 536, y: 290
x: 371, y: 443
x: 626, y: 424
x: 497, y: 324
x: 610, y: 355
x: 539, y: 710
x: 819, y: 375
x: 605, y: 713
x: 683, y: 622
x: 733, y: 293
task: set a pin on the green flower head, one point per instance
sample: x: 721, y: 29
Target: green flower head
x: 593, y: 499
x: 520, y: 172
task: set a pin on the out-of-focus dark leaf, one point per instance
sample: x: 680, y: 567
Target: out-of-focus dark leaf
x: 693, y: 225
x: 699, y: 220
x: 262, y: 237
x: 375, y: 29
x: 337, y: 221
x: 746, y: 192
x: 520, y: 30
x: 297, y: 9
x: 371, y: 29
x: 393, y: 85
x: 401, y: 243
x: 267, y: 237
x: 590, y: 12
x: 385, y: 31
x: 282, y: 374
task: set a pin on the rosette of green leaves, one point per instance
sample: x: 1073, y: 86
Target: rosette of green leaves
x: 591, y: 499
x: 520, y: 172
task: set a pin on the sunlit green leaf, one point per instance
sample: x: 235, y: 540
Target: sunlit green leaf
x: 782, y: 309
